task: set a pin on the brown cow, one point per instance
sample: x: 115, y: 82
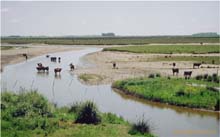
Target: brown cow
x: 57, y: 70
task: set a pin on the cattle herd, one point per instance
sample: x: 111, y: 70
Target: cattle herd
x: 41, y: 68
x: 187, y: 74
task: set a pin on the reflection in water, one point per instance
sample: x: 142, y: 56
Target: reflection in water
x: 42, y: 74
x: 68, y: 90
x: 180, y: 110
x: 57, y: 76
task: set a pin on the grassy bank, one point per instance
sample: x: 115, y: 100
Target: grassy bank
x: 190, y: 93
x: 109, y: 40
x: 168, y: 49
x: 30, y: 114
x: 6, y: 47
x: 203, y: 59
x: 11, y: 47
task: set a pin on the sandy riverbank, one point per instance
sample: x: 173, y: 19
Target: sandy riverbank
x: 14, y: 55
x: 130, y: 65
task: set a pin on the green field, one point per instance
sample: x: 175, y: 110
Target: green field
x: 203, y: 59
x: 6, y: 47
x: 11, y: 47
x: 30, y: 114
x: 109, y: 40
x: 175, y: 91
x: 168, y: 49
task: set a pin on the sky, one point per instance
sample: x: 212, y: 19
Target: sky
x: 31, y: 18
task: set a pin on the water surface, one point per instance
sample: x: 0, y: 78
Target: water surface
x: 66, y: 89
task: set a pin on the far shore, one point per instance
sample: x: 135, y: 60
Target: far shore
x: 14, y: 55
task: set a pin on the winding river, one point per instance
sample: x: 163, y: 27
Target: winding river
x: 64, y: 90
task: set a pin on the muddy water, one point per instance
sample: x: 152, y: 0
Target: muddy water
x: 66, y: 89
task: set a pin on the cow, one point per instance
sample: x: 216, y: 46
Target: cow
x: 57, y: 70
x: 114, y: 65
x: 53, y: 59
x: 196, y: 65
x: 187, y: 74
x: 175, y: 70
x: 72, y: 67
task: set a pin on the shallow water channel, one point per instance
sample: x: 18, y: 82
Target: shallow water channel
x: 64, y: 90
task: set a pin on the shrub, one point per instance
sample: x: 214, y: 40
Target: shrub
x: 158, y: 75
x: 199, y: 77
x: 205, y: 76
x: 88, y: 114
x: 141, y: 127
x: 212, y: 89
x: 151, y: 76
x: 215, y: 77
x: 217, y: 106
x: 209, y: 78
x: 213, y: 61
x: 180, y: 92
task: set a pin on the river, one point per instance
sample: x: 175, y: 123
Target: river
x: 64, y: 90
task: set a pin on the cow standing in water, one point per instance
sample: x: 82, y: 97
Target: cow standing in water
x: 187, y: 74
x: 53, y: 59
x: 57, y: 70
x: 175, y: 70
x: 59, y: 59
x: 40, y: 67
x: 72, y: 67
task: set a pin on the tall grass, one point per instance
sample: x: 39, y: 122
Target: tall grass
x: 30, y: 114
x: 141, y: 127
x: 175, y: 91
x: 88, y: 113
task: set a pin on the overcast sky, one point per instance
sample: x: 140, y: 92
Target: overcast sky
x: 122, y: 18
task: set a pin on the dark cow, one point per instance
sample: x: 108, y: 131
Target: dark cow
x: 175, y: 70
x: 53, y: 59
x: 114, y: 65
x: 174, y: 64
x: 42, y: 68
x: 47, y: 56
x: 59, y: 59
x: 72, y: 67
x: 187, y: 74
x: 57, y: 70
x: 25, y: 55
x: 197, y: 65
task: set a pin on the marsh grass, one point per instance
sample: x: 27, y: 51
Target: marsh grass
x: 110, y: 40
x: 30, y: 114
x: 142, y: 127
x: 190, y: 93
x: 168, y: 49
x: 88, y: 114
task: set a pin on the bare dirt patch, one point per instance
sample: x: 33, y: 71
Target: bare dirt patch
x: 14, y: 55
x: 131, y: 65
